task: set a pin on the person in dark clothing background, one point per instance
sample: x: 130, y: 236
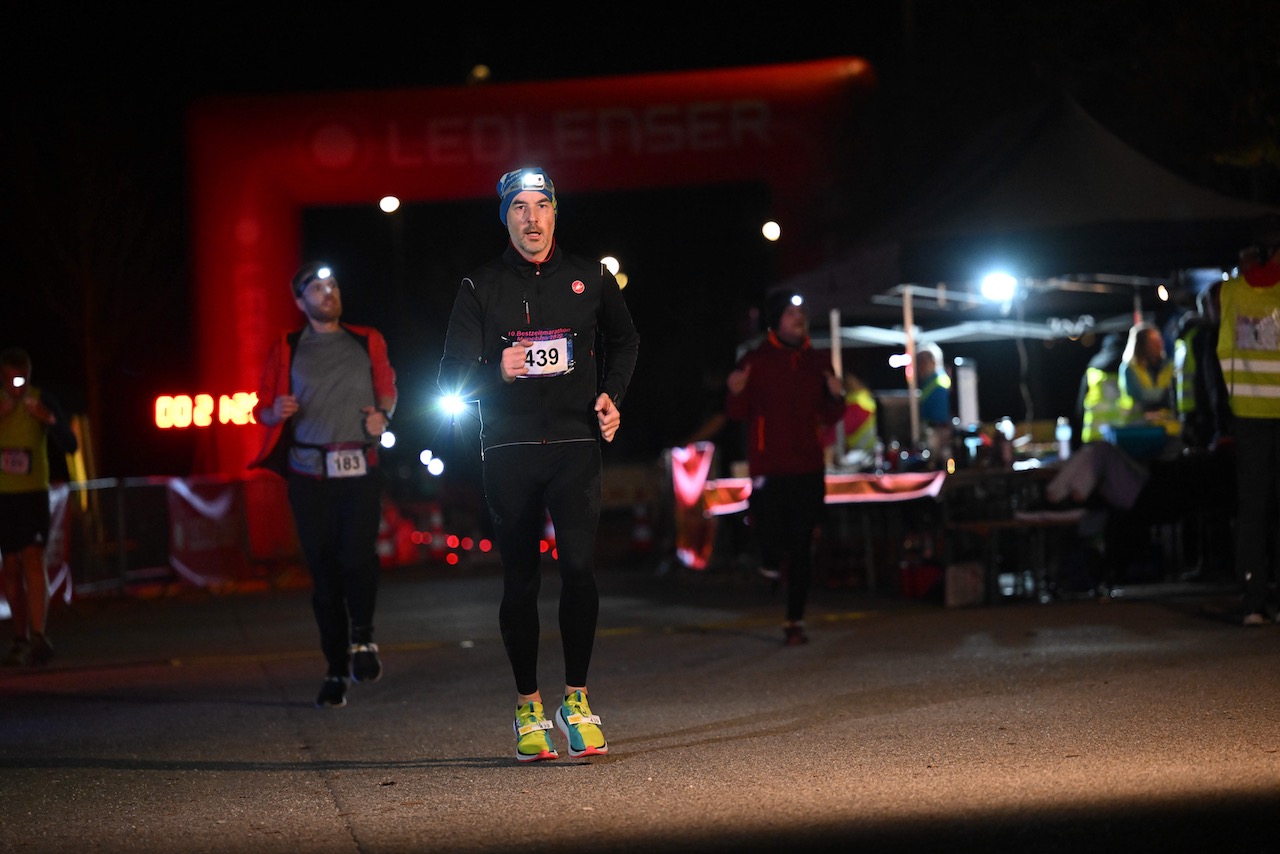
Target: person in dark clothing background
x: 1200, y: 390
x: 789, y: 396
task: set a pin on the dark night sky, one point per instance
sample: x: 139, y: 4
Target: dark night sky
x: 92, y: 151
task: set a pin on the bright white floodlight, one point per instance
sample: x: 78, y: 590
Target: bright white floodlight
x: 999, y: 287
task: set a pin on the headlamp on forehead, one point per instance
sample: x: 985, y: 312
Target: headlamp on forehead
x: 309, y: 274
x: 776, y: 304
x: 19, y: 382
x: 530, y: 179
x: 319, y: 275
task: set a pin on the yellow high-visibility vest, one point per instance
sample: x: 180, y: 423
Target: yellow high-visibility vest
x: 24, y: 454
x: 1249, y: 348
x: 1104, y: 403
x: 866, y: 435
x: 1184, y: 371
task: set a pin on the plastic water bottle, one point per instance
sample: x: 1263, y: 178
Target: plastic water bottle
x: 1005, y: 440
x: 1062, y: 433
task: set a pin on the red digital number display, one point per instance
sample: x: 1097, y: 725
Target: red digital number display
x: 179, y: 411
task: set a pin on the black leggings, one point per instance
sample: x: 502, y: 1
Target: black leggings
x: 523, y: 483
x: 786, y: 510
x: 337, y: 522
x: 1257, y: 507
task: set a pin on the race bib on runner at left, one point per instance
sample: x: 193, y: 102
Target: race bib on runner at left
x: 15, y: 460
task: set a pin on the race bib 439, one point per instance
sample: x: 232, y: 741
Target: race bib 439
x: 550, y: 352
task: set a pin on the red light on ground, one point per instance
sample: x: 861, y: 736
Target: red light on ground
x: 543, y: 545
x: 452, y: 541
x: 451, y: 559
x: 468, y: 543
x: 416, y: 538
x: 485, y: 545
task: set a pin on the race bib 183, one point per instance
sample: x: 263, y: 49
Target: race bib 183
x: 345, y: 462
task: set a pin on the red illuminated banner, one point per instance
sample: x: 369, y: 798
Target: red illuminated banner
x: 256, y: 162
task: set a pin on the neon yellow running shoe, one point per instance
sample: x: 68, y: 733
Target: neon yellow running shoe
x: 582, y: 728
x: 532, y: 740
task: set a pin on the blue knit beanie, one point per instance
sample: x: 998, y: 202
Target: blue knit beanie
x: 517, y: 181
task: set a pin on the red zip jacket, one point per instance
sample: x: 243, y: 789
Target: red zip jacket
x: 275, y: 381
x: 787, y: 406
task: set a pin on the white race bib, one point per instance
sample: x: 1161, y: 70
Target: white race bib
x: 550, y: 354
x: 345, y: 462
x: 15, y: 460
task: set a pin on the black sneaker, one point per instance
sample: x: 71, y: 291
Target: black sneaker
x: 40, y: 652
x: 365, y: 664
x: 793, y: 635
x: 333, y: 693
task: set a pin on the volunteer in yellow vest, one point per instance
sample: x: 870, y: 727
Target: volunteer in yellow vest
x: 28, y: 418
x: 934, y: 385
x: 859, y: 424
x: 1249, y: 351
x: 1184, y: 365
x: 1101, y: 401
x: 1146, y: 376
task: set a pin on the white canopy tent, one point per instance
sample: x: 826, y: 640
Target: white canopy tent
x: 1047, y: 194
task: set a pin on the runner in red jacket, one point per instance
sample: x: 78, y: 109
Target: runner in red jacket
x: 788, y: 395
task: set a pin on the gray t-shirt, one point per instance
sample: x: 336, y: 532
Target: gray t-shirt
x: 333, y: 380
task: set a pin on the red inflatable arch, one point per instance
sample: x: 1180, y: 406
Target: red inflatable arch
x: 257, y: 162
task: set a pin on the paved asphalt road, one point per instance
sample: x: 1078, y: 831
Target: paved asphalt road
x: 185, y: 723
